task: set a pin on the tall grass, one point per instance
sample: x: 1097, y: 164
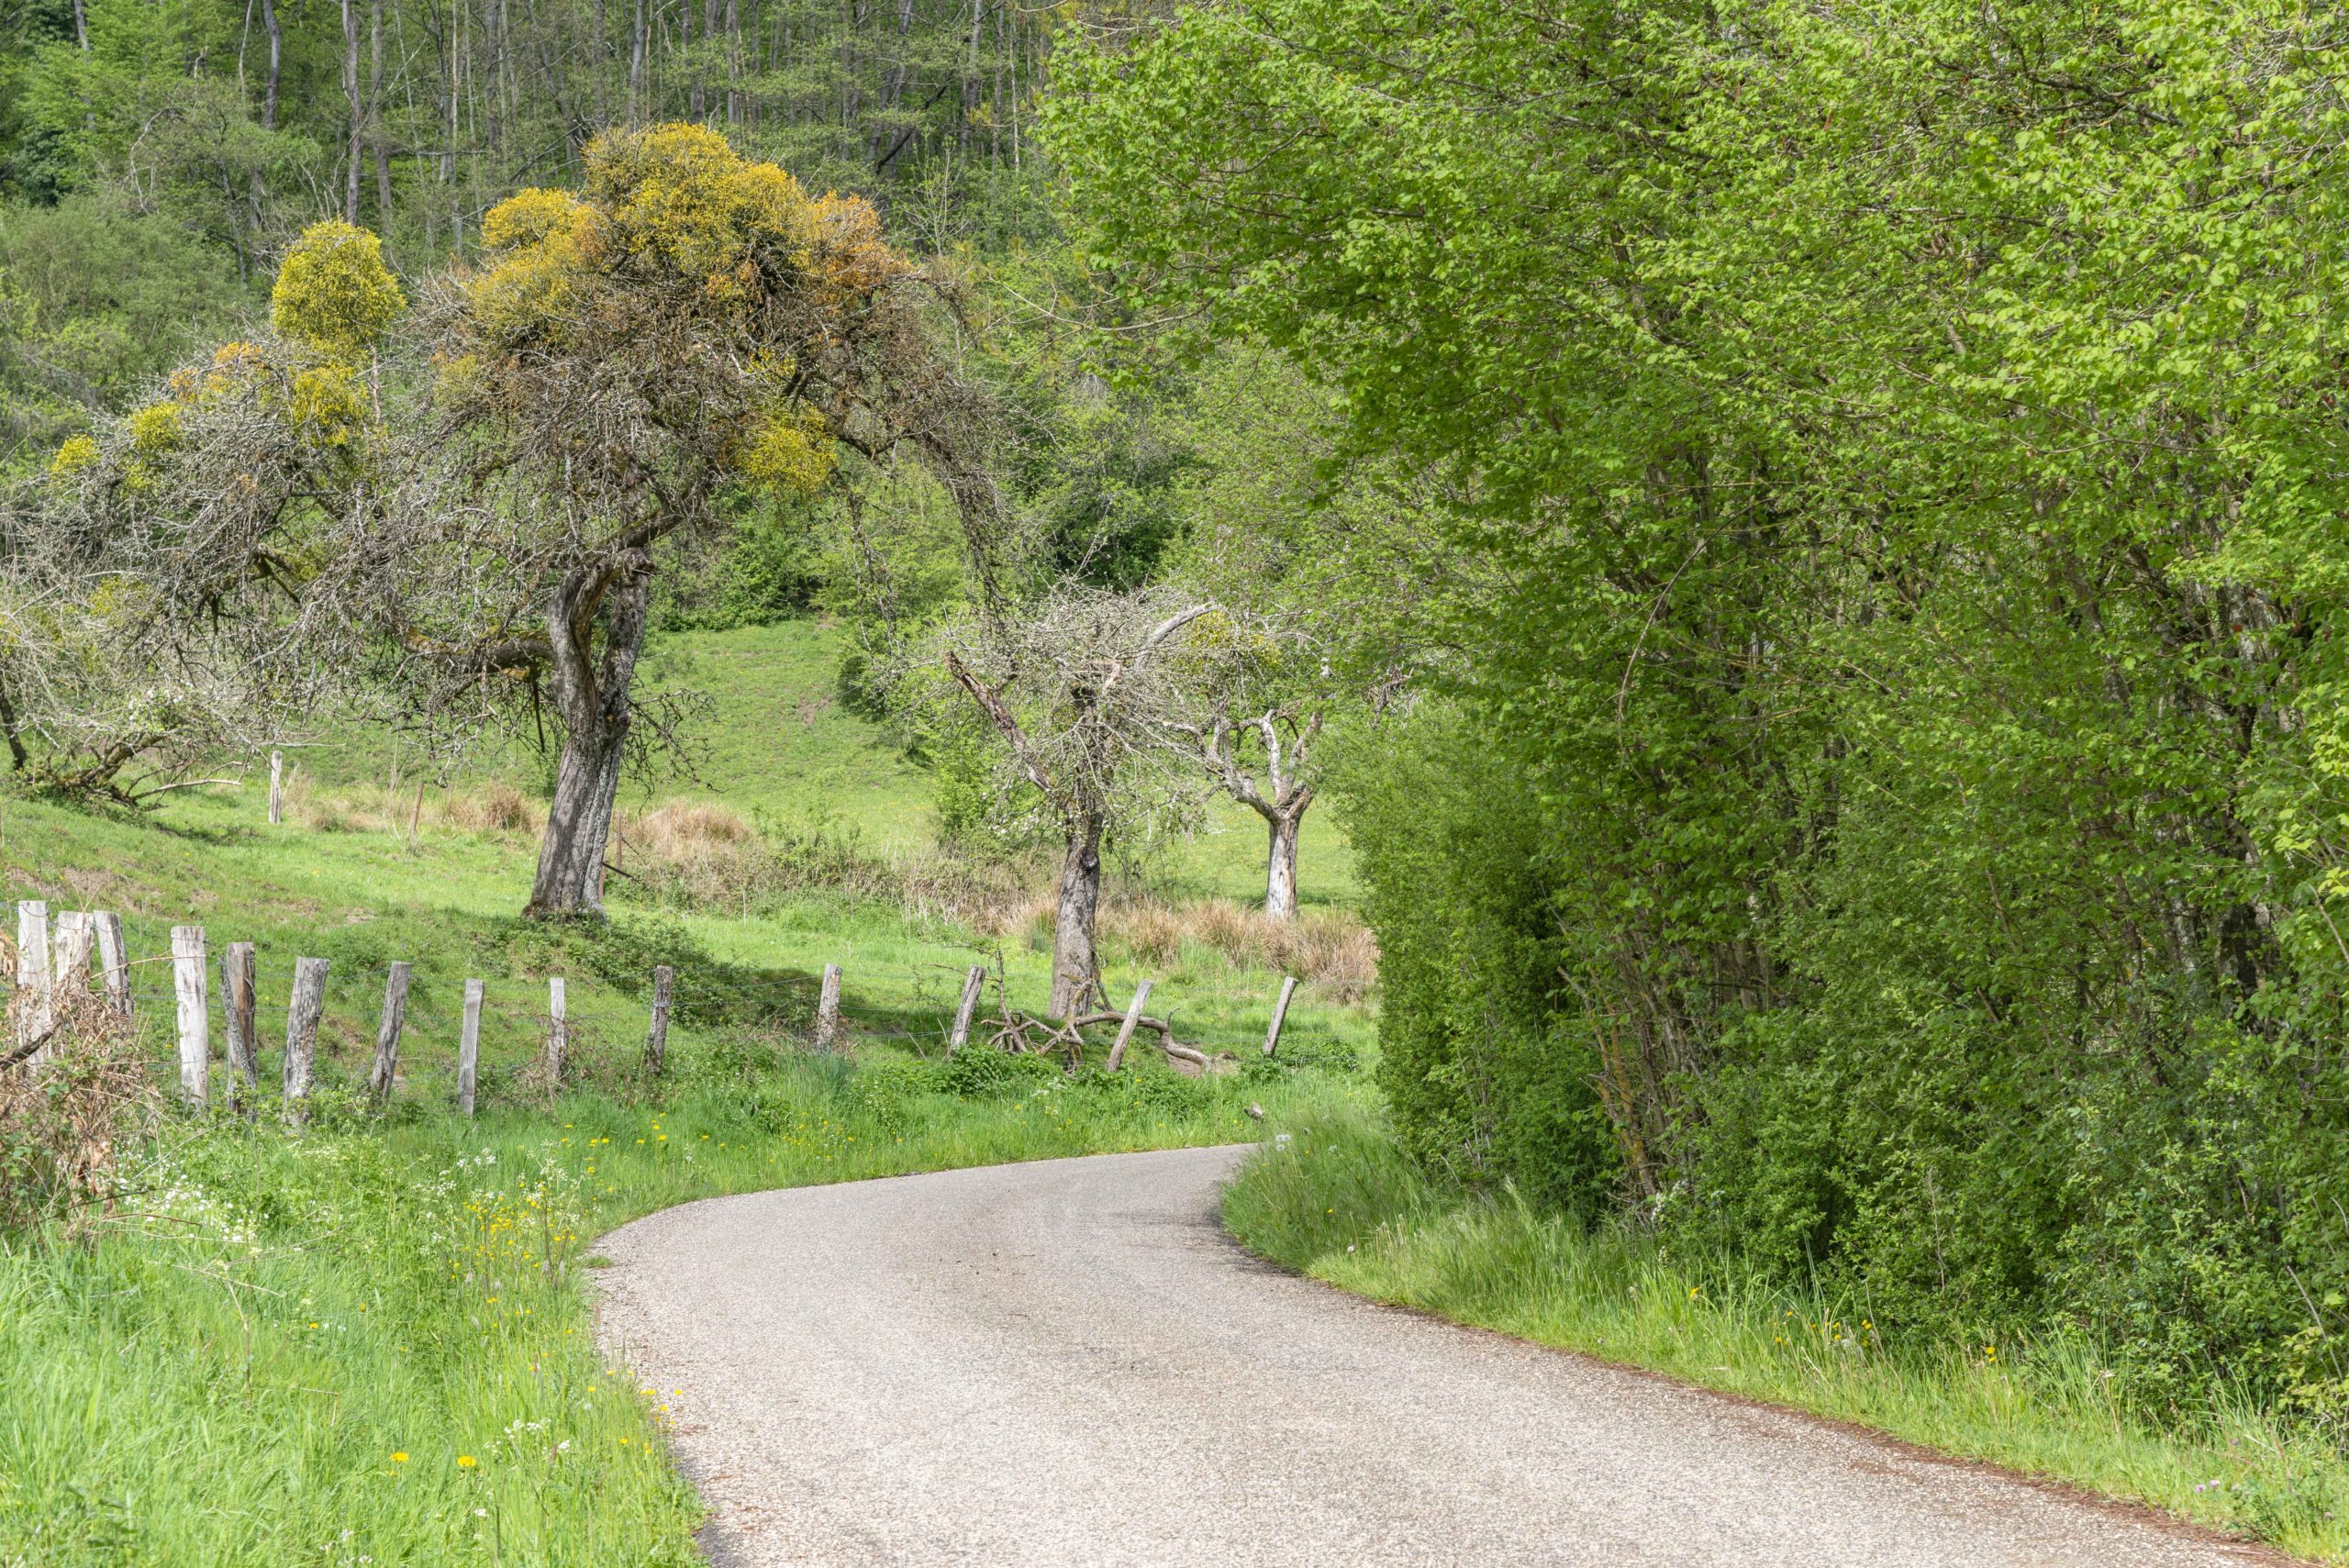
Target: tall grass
x: 370, y: 1342
x: 1337, y: 1198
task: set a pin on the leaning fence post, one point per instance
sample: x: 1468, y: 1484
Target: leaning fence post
x: 970, y: 1004
x: 195, y: 1040
x: 1280, y: 1012
x: 36, y: 1002
x: 656, y: 1034
x: 1125, y: 1029
x: 114, y: 961
x: 558, y: 1030
x: 828, y: 1010
x: 469, y: 1047
x: 301, y: 1014
x: 387, y: 1033
x: 276, y: 789
x: 238, y: 1015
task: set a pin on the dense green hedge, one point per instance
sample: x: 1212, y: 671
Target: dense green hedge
x: 1883, y: 804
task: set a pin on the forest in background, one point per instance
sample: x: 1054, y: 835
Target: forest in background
x: 155, y: 160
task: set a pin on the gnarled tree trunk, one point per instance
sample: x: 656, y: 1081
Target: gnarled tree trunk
x: 1076, y: 973
x: 591, y: 694
x: 1280, y: 875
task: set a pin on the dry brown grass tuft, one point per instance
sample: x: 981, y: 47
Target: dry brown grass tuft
x: 682, y: 830
x: 64, y: 1118
x: 497, y: 808
x: 1326, y: 948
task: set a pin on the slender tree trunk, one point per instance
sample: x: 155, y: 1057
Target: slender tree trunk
x: 1280, y: 878
x: 1075, y: 970
x: 592, y: 695
x: 277, y: 31
x: 355, y: 152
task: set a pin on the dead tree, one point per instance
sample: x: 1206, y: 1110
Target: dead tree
x: 1286, y: 734
x: 1082, y: 687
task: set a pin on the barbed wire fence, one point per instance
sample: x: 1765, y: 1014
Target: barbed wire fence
x: 229, y: 1012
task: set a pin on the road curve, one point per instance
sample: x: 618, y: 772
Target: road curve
x: 1068, y: 1363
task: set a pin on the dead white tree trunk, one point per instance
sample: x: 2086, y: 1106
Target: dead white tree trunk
x: 195, y: 1015
x: 302, y: 1012
x: 1284, y: 797
x: 387, y: 1033
x: 1126, y: 1026
x: 469, y: 1049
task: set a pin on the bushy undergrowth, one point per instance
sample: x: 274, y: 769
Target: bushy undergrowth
x: 368, y: 1342
x: 1337, y: 1195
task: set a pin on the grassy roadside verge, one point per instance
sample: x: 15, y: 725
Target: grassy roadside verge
x: 369, y: 1343
x: 1340, y: 1202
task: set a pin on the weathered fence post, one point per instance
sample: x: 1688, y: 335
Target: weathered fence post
x: 1280, y: 1014
x: 1125, y: 1029
x: 36, y: 1000
x: 558, y: 1030
x: 114, y: 962
x: 276, y: 789
x: 469, y: 1047
x: 69, y: 968
x: 972, y: 982
x: 387, y: 1034
x: 302, y: 1015
x: 656, y: 1034
x: 828, y: 1010
x: 238, y: 1014
x: 194, y: 1019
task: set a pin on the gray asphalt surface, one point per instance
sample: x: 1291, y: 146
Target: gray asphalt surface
x: 1068, y: 1363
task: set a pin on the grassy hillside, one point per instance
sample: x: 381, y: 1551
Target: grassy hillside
x: 775, y: 742
x: 369, y: 1340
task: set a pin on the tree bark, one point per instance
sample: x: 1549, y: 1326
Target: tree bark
x: 1280, y: 877
x: 592, y: 696
x: 1075, y: 970
x: 358, y: 126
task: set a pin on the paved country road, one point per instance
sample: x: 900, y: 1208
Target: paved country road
x: 1068, y: 1363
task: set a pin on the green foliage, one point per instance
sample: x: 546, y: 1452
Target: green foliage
x: 98, y: 300
x: 1883, y: 812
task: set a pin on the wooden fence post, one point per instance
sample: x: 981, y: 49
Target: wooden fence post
x: 194, y: 1019
x: 656, y: 1034
x: 302, y: 1015
x: 69, y: 971
x: 114, y: 962
x: 469, y: 1047
x: 276, y: 789
x: 238, y: 1016
x: 1280, y: 1014
x: 558, y: 1030
x: 972, y: 982
x: 36, y: 1001
x: 1125, y: 1029
x: 828, y: 1010
x: 387, y: 1033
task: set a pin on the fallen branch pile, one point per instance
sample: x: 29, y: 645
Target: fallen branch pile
x: 1014, y: 1030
